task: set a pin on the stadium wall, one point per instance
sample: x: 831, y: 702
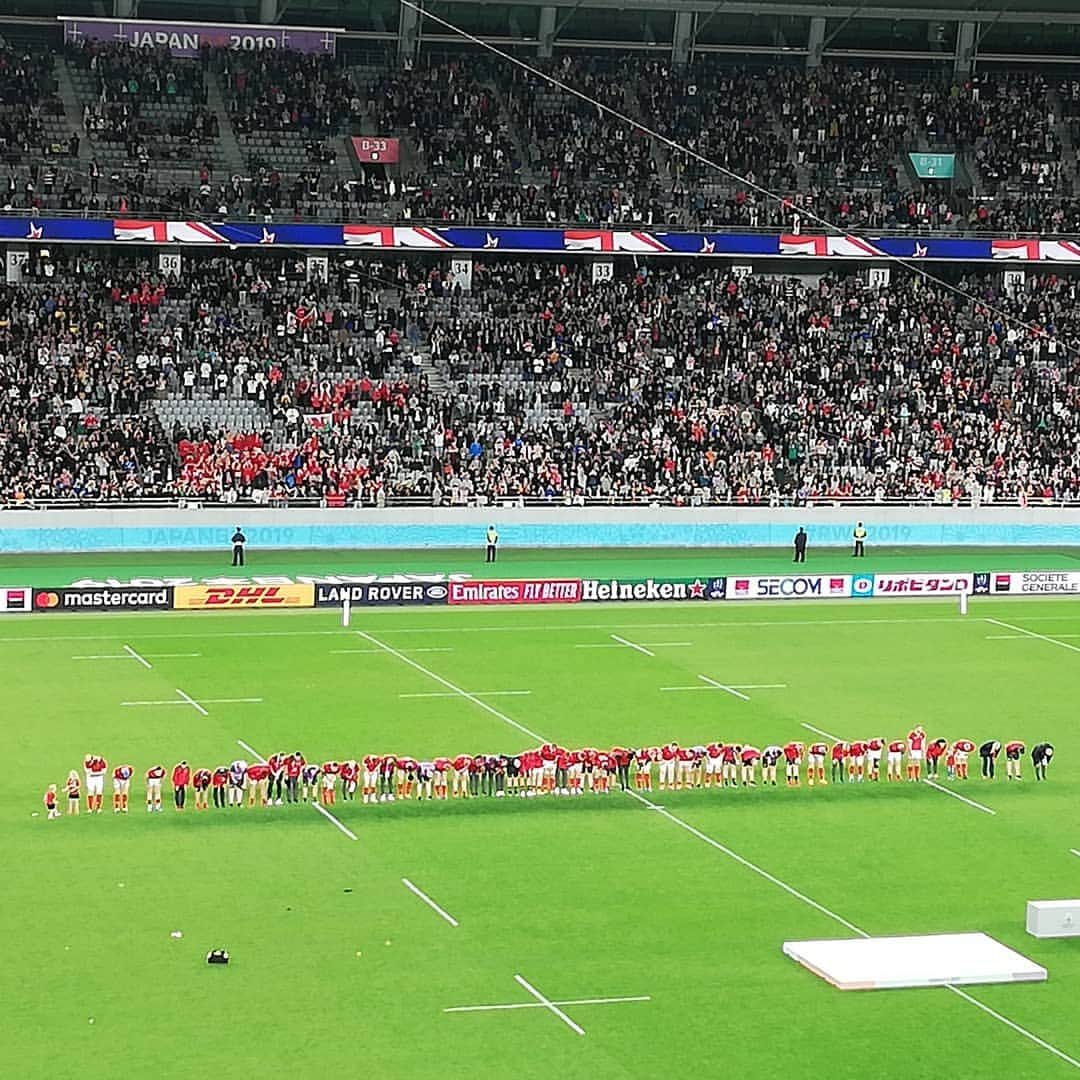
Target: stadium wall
x: 555, y: 526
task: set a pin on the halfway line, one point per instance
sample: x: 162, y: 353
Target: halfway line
x: 957, y: 795
x: 427, y: 900
x: 549, y: 1005
x: 450, y: 686
x: 540, y: 1005
x: 477, y: 693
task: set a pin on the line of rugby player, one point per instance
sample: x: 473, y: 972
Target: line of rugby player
x: 547, y: 770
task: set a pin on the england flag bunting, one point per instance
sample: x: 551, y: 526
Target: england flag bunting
x: 818, y: 246
x: 391, y: 236
x: 1035, y: 250
x: 607, y: 240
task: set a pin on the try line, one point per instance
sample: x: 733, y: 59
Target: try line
x: 754, y: 868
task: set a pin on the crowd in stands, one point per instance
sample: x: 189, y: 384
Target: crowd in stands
x: 673, y: 382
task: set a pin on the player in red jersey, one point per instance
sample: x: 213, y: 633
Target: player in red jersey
x: 622, y: 758
x: 684, y: 777
x: 441, y: 767
x: 460, y: 784
x: 121, y: 783
x: 749, y: 756
x: 95, y: 767
x: 874, y: 749
x: 258, y: 782
x: 839, y: 756
x: 669, y: 753
x: 547, y: 767
x: 154, y: 776
x: 729, y: 754
x: 331, y: 770
x: 602, y: 775
x: 961, y: 749
x: 935, y: 750
x: 793, y: 753
x: 407, y: 769
x: 575, y: 772
x: 856, y: 761
x: 644, y: 761
x: 370, y: 780
x: 350, y: 772
x: 713, y: 756
x: 276, y: 764
x: 895, y: 759
x: 200, y: 786
x: 1014, y: 753
x: 916, y: 749
x: 294, y: 770
x: 219, y: 784
x: 815, y: 770
x: 50, y: 803
x: 181, y: 777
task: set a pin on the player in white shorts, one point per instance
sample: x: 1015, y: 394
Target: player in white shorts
x: 894, y: 759
x: 95, y: 767
x: 121, y: 786
x: 154, y: 775
x: 668, y: 755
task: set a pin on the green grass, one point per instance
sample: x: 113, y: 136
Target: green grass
x: 590, y: 898
x: 58, y: 570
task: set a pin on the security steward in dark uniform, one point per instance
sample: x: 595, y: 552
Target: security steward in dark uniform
x: 238, y: 542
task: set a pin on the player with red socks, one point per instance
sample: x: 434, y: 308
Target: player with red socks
x: 961, y: 749
x: 95, y: 767
x: 331, y: 770
x: 916, y: 747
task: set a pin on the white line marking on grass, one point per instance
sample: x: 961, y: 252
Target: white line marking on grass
x: 818, y: 731
x: 1074, y: 852
x: 322, y: 810
x: 427, y: 900
x: 957, y: 795
x: 645, y: 644
x: 548, y: 1004
x: 336, y: 821
x: 721, y: 686
x: 103, y: 656
x: 733, y: 686
x: 378, y: 652
x: 192, y: 702
x: 135, y: 656
x: 476, y: 693
x: 1033, y: 634
x: 450, y: 686
x: 541, y: 1005
x: 631, y: 645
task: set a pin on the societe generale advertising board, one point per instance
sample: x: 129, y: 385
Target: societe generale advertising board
x: 1031, y: 583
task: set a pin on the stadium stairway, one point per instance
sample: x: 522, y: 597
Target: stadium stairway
x: 228, y: 146
x: 65, y: 90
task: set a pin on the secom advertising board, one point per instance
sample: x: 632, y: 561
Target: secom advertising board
x: 789, y: 587
x: 654, y: 589
x: 103, y: 599
x: 531, y: 591
x: 375, y: 593
x: 237, y: 597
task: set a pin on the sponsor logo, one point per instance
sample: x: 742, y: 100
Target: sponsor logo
x: 382, y: 593
x: 789, y: 587
x: 862, y: 585
x: 922, y: 584
x: 228, y: 597
x: 275, y: 579
x: 981, y: 584
x: 13, y: 598
x: 102, y: 599
x: 1039, y: 582
x: 555, y: 591
x: 652, y: 589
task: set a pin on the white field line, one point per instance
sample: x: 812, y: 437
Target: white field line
x: 732, y: 686
x: 721, y: 686
x: 1073, y: 851
x: 322, y: 810
x: 632, y: 645
x: 645, y: 644
x: 427, y: 900
x: 192, y: 702
x: 751, y: 866
x: 823, y: 734
x: 541, y: 1005
x: 1033, y: 634
x: 128, y: 656
x: 378, y: 652
x: 450, y: 686
x: 335, y: 821
x: 957, y: 795
x: 475, y: 693
x: 548, y: 1004
x: 208, y: 700
x: 135, y: 656
x: 575, y: 627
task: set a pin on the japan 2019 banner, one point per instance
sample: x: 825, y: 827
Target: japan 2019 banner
x: 187, y: 39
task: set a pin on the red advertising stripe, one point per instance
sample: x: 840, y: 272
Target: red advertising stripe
x: 531, y: 591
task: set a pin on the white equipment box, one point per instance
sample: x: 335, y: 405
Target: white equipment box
x: 1053, y: 918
